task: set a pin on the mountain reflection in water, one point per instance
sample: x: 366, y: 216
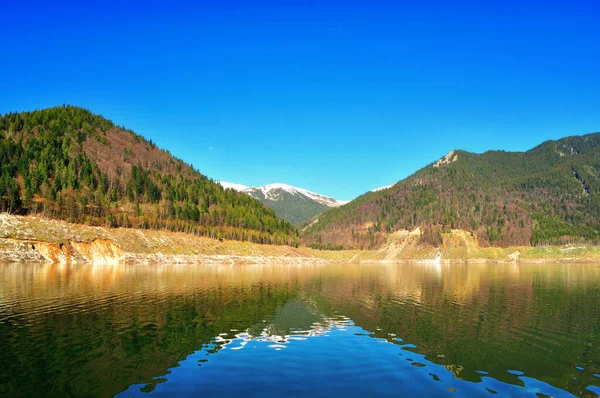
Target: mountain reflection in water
x: 259, y: 330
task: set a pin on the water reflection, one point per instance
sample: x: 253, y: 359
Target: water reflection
x: 96, y: 330
x: 286, y: 380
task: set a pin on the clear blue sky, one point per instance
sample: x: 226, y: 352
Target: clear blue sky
x: 338, y: 97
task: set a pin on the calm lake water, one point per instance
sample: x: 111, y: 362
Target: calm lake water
x: 307, y: 331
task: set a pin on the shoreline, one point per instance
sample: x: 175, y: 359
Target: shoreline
x: 34, y: 239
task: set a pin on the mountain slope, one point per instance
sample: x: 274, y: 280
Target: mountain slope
x: 296, y: 205
x: 382, y: 188
x: 547, y: 195
x: 68, y: 163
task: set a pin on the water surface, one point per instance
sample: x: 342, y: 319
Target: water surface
x: 344, y: 329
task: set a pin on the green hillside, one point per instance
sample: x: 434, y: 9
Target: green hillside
x: 547, y: 195
x: 67, y: 163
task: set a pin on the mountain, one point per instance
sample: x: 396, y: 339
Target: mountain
x: 68, y: 163
x: 547, y: 195
x: 296, y: 205
x: 382, y: 188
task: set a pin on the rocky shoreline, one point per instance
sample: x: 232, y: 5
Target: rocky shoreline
x: 35, y: 239
x: 102, y: 251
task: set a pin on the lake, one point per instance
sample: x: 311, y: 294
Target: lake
x: 355, y: 330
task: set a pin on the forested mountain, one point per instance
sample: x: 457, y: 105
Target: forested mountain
x: 67, y: 163
x: 296, y: 205
x: 547, y: 195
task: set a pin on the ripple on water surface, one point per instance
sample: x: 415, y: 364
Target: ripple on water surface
x: 354, y: 330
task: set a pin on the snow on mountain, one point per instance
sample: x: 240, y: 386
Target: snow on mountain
x: 382, y: 188
x: 275, y: 192
x: 230, y: 185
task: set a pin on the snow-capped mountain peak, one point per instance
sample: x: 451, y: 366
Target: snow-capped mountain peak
x: 276, y: 191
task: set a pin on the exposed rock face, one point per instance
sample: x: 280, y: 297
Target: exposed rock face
x: 12, y: 250
x: 449, y: 158
x: 99, y: 251
x: 404, y: 245
x: 105, y: 252
x: 456, y: 245
x: 53, y: 252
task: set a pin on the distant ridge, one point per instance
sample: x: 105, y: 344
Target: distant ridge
x: 296, y: 205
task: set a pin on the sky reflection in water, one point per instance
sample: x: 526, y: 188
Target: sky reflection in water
x: 356, y: 330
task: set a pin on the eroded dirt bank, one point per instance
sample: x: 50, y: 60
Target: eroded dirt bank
x: 460, y: 246
x: 34, y: 239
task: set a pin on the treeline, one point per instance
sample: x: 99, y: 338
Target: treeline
x: 67, y: 163
x: 548, y: 195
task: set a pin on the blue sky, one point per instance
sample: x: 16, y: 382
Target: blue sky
x: 338, y: 97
